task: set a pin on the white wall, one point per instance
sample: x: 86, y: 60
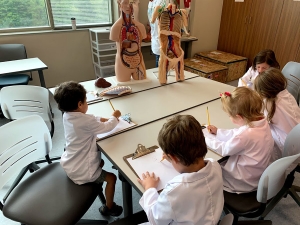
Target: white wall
x: 68, y: 54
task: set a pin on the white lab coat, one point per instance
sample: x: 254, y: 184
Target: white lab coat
x: 286, y: 117
x: 81, y: 158
x: 248, y: 78
x: 249, y: 149
x: 189, y: 198
x: 155, y: 44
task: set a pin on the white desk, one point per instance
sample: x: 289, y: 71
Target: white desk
x: 149, y: 109
x: 114, y: 148
x: 156, y: 103
x: 24, y: 65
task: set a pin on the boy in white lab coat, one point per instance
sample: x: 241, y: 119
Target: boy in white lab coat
x: 280, y: 108
x: 81, y: 159
x: 194, y: 196
x: 248, y: 146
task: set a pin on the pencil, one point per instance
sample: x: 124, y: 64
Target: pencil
x: 111, y: 105
x: 162, y: 159
x: 244, y: 83
x: 208, y: 119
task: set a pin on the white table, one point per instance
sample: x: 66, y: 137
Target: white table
x: 156, y: 103
x: 149, y: 109
x: 24, y: 65
x: 114, y: 148
x: 154, y: 82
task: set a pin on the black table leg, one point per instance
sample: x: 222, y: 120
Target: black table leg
x: 127, y: 196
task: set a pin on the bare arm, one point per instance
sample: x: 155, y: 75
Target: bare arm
x: 155, y: 14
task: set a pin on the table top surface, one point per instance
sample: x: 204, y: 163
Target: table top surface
x: 156, y: 103
x: 22, y: 65
x: 150, y: 108
x: 120, y: 145
x: 136, y: 87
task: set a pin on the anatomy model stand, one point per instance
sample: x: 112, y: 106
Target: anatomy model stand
x: 171, y: 21
x: 128, y: 35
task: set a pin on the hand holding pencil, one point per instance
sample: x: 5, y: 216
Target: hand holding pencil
x: 211, y: 129
x: 116, y: 113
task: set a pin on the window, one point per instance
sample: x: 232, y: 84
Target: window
x: 51, y: 14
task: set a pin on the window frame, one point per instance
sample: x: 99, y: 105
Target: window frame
x: 51, y: 23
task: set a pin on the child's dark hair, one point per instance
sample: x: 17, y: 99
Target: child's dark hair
x: 266, y: 56
x: 268, y: 84
x: 68, y: 94
x: 183, y: 138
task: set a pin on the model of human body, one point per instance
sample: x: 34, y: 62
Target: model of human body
x: 171, y: 20
x: 128, y: 35
x: 136, y: 10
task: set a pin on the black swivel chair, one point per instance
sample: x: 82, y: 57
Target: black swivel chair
x: 47, y: 196
x: 9, y: 52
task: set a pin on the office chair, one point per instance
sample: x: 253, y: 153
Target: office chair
x: 291, y: 71
x: 254, y: 204
x: 9, y: 52
x: 291, y: 147
x: 47, y: 196
x: 19, y: 101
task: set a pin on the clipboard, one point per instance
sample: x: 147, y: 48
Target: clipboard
x: 150, y: 160
x: 93, y: 97
x: 121, y: 127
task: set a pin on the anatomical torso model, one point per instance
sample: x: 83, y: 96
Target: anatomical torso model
x: 171, y: 20
x: 128, y: 35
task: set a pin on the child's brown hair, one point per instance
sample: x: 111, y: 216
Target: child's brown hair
x: 244, y: 102
x: 183, y: 138
x: 268, y: 84
x: 266, y: 56
x: 68, y: 95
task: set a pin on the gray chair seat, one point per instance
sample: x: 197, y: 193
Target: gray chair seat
x: 51, y: 198
x: 17, y: 79
x: 241, y: 203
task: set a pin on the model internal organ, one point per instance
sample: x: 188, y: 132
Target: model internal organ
x: 128, y: 34
x: 130, y: 47
x: 118, y: 90
x: 171, y: 20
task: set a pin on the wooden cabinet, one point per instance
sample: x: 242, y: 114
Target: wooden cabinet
x: 253, y: 25
x: 233, y: 28
x: 287, y: 41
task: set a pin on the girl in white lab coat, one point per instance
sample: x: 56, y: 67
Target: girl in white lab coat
x: 262, y: 61
x: 249, y: 146
x: 281, y: 108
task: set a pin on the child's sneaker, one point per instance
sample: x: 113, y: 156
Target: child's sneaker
x: 116, y: 210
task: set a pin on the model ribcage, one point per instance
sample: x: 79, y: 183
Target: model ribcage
x: 170, y: 30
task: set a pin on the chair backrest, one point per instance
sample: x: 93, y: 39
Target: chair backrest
x: 291, y: 71
x: 227, y: 220
x: 23, y: 100
x: 22, y: 141
x: 9, y: 52
x: 273, y: 178
x: 292, y: 142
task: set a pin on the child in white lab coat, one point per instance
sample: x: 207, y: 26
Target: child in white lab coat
x: 249, y: 146
x: 281, y: 108
x: 194, y: 196
x: 262, y: 61
x: 81, y: 159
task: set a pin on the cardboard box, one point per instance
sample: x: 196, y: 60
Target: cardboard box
x: 206, y: 69
x: 236, y: 64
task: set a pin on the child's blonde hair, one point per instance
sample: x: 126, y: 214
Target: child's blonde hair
x: 268, y: 84
x: 244, y: 102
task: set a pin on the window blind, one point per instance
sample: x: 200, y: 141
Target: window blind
x: 86, y: 12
